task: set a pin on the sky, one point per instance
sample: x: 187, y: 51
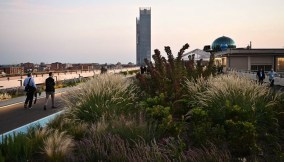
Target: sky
x: 104, y: 31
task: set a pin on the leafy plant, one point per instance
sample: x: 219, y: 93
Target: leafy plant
x: 234, y: 112
x: 166, y: 76
x: 16, y: 148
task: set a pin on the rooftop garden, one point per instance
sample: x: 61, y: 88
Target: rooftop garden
x: 177, y: 111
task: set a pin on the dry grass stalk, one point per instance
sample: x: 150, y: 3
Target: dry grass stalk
x: 5, y: 96
x: 103, y: 95
x: 58, y: 146
x: 227, y: 87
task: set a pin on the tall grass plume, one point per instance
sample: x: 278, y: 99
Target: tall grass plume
x: 105, y: 95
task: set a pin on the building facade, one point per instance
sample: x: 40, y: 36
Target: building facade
x: 143, y: 36
x: 57, y: 66
x: 28, y: 67
x: 228, y: 56
x: 247, y: 59
x: 11, y: 70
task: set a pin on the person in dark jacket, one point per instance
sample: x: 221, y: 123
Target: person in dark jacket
x: 49, y: 90
x: 260, y: 75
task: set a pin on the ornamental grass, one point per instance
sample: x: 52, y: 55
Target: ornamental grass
x: 235, y: 113
x: 105, y: 95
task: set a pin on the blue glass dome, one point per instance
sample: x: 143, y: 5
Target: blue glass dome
x: 223, y: 43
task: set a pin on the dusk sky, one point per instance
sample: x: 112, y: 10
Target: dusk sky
x: 104, y: 31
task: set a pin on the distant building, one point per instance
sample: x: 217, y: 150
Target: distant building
x: 223, y: 43
x: 96, y: 66
x: 246, y: 59
x: 84, y: 67
x: 143, y: 36
x: 28, y: 67
x: 198, y: 54
x: 251, y: 59
x: 57, y: 66
x: 68, y: 66
x: 87, y: 67
x: 47, y: 67
x: 36, y: 68
x: 42, y: 67
x: 11, y: 70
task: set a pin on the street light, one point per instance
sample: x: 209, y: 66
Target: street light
x: 55, y: 78
x: 20, y: 82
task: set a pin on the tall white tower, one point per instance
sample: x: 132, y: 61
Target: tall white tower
x: 143, y: 36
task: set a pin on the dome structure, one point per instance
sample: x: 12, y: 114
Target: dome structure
x: 223, y: 43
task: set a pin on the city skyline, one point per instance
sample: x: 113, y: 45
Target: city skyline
x: 105, y: 32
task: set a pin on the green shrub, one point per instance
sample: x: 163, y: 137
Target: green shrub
x: 236, y: 112
x: 159, y: 112
x: 124, y: 73
x: 16, y: 148
x: 76, y: 129
x: 133, y: 72
x: 167, y: 77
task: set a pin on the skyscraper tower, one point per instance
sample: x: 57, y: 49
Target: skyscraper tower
x: 143, y: 36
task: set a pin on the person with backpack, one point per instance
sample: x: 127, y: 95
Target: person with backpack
x: 271, y: 75
x: 30, y: 88
x: 49, y: 90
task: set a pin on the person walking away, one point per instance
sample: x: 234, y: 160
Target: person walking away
x: 30, y: 88
x: 271, y: 75
x: 49, y: 90
x: 261, y: 76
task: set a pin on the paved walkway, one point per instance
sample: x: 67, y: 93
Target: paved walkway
x: 23, y: 98
x: 13, y: 114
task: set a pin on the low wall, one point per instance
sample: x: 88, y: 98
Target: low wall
x: 17, y: 81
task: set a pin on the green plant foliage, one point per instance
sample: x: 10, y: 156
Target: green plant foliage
x: 2, y: 158
x: 123, y: 73
x: 167, y: 76
x: 131, y: 72
x: 241, y: 137
x: 159, y: 112
x: 130, y: 129
x: 234, y: 112
x: 181, y: 113
x: 16, y: 148
x: 76, y: 129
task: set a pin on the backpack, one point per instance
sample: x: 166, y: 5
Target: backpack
x: 29, y: 88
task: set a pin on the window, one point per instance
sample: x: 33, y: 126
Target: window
x: 258, y: 67
x: 280, y: 64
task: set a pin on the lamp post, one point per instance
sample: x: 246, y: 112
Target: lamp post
x: 20, y: 82
x: 55, y: 79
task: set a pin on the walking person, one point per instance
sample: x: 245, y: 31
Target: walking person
x: 49, y: 90
x: 261, y: 76
x: 271, y: 75
x: 30, y: 88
